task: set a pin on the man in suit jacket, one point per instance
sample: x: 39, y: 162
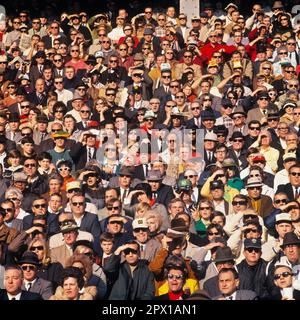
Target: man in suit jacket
x: 263, y: 101
x: 39, y: 95
x: 13, y: 280
x: 292, y: 189
x: 148, y: 246
x: 32, y: 282
x: 84, y: 150
x: 228, y: 283
x: 61, y: 254
x: 161, y: 193
x: 262, y: 204
x: 54, y: 34
x: 39, y: 208
x: 86, y: 221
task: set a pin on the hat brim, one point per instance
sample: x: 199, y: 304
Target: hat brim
x: 254, y: 185
x: 69, y: 229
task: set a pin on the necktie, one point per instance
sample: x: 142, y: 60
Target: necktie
x: 230, y: 298
x: 29, y: 286
x: 41, y: 69
x: 154, y: 195
x: 42, y: 136
x: 124, y: 195
x: 13, y: 298
x: 89, y: 154
x: 264, y: 112
x: 296, y: 193
x: 290, y: 55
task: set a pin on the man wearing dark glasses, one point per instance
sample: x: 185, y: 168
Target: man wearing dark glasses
x: 132, y: 278
x: 32, y: 282
x: 252, y: 270
x: 39, y: 208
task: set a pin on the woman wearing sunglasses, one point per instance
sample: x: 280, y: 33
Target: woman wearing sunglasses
x: 46, y: 270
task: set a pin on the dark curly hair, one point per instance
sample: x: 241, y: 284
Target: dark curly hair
x: 72, y: 272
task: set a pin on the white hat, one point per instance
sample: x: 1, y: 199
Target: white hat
x: 211, y: 136
x: 283, y: 217
x: 149, y: 114
x: 140, y: 223
x: 283, y: 262
x: 165, y: 67
x: 230, y: 5
x: 99, y: 54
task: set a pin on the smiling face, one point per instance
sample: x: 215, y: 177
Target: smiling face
x: 176, y: 280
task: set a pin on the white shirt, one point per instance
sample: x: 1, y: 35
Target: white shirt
x: 17, y: 297
x: 281, y: 177
x: 64, y: 95
x: 116, y: 33
x: 232, y: 296
x: 26, y: 283
x: 220, y: 206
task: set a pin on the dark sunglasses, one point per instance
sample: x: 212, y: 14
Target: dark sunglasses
x: 283, y: 274
x: 39, y: 248
x: 10, y: 210
x: 239, y: 203
x: 295, y: 174
x: 40, y: 206
x: 113, y: 208
x: 254, y: 128
x: 256, y: 250
x: 280, y: 201
x: 30, y: 165
x: 77, y: 204
x: 116, y: 222
x: 26, y: 268
x: 213, y: 233
x: 129, y: 250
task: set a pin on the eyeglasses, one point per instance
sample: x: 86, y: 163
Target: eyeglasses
x: 57, y: 60
x: 101, y: 34
x: 190, y: 177
x: 256, y: 250
x: 293, y: 86
x: 195, y: 108
x: 11, y: 87
x: 161, y: 19
x: 255, y: 128
x: 238, y: 140
x: 65, y: 169
x: 39, y: 248
x: 254, y: 175
x: 16, y: 22
x: 290, y: 71
x: 283, y: 274
x: 283, y: 128
x: 239, y: 203
x: 283, y: 52
x: 254, y: 188
x: 148, y: 12
x: 110, y: 94
x: 179, y: 97
x: 294, y: 174
x: 28, y: 268
x: 121, y: 49
x: 264, y: 68
x: 9, y: 210
x: 76, y: 204
x: 58, y: 82
x: 116, y: 222
x: 105, y: 41
x: 263, y: 98
x: 175, y: 276
x: 84, y: 111
x: 40, y: 206
x: 81, y: 89
x: 73, y: 190
x: 166, y: 77
x: 113, y: 61
x: 291, y: 43
x: 174, y: 86
x: 74, y: 50
x: 113, y: 208
x: 30, y: 165
x: 13, y: 199
x: 129, y: 250
x: 54, y: 27
x: 23, y: 107
x: 296, y: 113
x: 205, y: 208
x: 280, y: 201
x: 188, y: 56
x: 213, y: 233
x: 138, y: 230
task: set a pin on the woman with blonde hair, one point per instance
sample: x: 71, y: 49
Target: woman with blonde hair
x: 47, y: 270
x: 154, y: 221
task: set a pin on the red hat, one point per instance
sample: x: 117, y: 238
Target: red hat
x: 259, y: 158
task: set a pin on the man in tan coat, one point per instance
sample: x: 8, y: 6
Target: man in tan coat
x: 188, y: 57
x: 61, y: 254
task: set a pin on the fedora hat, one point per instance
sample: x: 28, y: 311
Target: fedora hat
x: 289, y: 239
x: 70, y: 226
x: 30, y: 258
x: 126, y: 171
x: 224, y: 254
